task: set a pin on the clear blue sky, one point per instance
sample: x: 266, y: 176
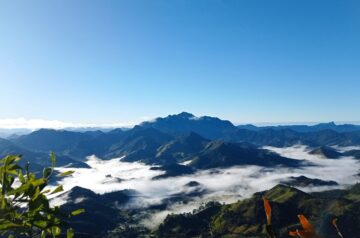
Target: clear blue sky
x: 121, y: 61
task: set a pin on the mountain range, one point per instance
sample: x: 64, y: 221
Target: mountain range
x: 184, y: 144
x: 307, y: 128
x: 206, y: 141
x: 245, y: 218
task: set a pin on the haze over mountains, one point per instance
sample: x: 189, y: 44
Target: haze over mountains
x: 22, y: 129
x: 174, y: 164
x: 183, y: 143
x: 143, y: 140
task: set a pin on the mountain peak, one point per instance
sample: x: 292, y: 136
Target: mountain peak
x: 282, y: 193
x: 184, y: 123
x: 185, y: 115
x: 331, y: 123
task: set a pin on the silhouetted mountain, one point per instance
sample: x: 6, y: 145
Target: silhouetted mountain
x: 288, y: 137
x: 184, y: 123
x: 152, y: 146
x: 177, y: 138
x: 192, y: 184
x: 119, y: 142
x: 335, y: 127
x: 306, y: 128
x: 326, y: 152
x: 224, y: 154
x: 329, y: 137
x: 97, y: 145
x: 246, y: 218
x: 303, y: 181
x: 7, y: 133
x: 250, y: 127
x: 101, y: 211
x: 46, y: 140
x: 353, y: 153
x: 173, y: 170
x: 204, y: 143
x: 138, y: 144
x: 38, y: 160
x: 180, y: 149
x: 279, y: 138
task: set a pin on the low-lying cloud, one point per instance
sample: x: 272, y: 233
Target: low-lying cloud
x: 34, y: 124
x: 224, y: 185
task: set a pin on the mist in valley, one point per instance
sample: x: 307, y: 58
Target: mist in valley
x: 225, y: 185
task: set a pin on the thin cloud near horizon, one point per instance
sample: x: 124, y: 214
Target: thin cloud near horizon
x: 34, y: 124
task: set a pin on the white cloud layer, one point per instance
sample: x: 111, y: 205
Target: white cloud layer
x: 224, y: 185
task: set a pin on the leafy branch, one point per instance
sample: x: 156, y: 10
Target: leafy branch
x: 25, y: 210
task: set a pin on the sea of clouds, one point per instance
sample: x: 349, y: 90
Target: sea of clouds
x: 224, y: 185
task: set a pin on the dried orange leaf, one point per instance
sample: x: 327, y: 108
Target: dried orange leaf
x: 306, y: 224
x: 267, y: 210
x: 308, y: 232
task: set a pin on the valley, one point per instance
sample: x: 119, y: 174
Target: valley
x: 181, y: 163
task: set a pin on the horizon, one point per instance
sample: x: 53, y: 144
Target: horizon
x: 123, y: 62
x: 179, y: 118
x: 36, y: 124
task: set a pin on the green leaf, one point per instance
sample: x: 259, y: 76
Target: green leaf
x: 21, y: 177
x: 21, y: 189
x: 6, y: 225
x: 36, y: 194
x: 77, y: 212
x: 47, y: 172
x: 15, y: 167
x: 67, y: 173
x: 43, y: 234
x: 55, y: 230
x: 53, y: 159
x: 32, y: 191
x: 10, y: 171
x: 38, y: 182
x: 70, y: 233
x: 58, y: 189
x: 41, y: 224
x: 39, y: 203
x: 11, y: 158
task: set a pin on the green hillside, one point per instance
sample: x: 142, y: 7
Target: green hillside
x: 246, y: 218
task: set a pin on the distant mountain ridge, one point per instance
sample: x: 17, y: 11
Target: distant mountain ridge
x: 224, y: 154
x: 183, y: 144
x: 38, y: 160
x: 184, y: 137
x: 306, y: 128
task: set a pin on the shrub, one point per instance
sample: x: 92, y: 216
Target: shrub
x: 24, y: 206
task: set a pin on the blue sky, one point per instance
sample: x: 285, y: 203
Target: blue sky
x: 125, y: 61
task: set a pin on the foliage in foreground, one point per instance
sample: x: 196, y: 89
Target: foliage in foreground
x: 308, y: 230
x: 24, y: 205
x: 246, y: 218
